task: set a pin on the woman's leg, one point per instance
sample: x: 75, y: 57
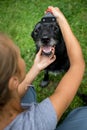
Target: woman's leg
x: 76, y: 120
x: 30, y: 95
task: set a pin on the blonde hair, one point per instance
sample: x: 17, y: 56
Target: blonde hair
x: 8, y: 66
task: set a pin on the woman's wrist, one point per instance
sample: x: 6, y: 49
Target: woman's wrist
x: 61, y: 19
x: 35, y: 68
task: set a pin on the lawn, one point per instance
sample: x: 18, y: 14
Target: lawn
x: 17, y: 19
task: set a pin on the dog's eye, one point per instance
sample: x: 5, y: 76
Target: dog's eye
x: 55, y: 28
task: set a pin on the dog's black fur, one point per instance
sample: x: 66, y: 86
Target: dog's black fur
x: 83, y: 97
x: 48, y: 34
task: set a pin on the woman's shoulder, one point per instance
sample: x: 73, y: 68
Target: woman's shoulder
x: 34, y: 116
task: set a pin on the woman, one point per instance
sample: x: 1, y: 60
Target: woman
x: 14, y: 83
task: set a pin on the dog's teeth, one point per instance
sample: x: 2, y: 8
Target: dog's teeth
x: 47, y: 49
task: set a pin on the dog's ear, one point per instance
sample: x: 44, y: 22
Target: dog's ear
x: 36, y: 31
x: 56, y: 28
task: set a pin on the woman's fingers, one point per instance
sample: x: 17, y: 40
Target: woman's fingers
x: 39, y: 52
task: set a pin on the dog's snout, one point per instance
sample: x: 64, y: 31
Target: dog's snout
x: 45, y: 39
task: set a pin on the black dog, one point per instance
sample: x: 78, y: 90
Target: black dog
x: 47, y: 34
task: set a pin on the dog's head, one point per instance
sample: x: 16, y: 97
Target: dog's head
x: 46, y: 33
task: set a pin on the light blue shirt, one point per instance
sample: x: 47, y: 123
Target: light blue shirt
x: 38, y: 116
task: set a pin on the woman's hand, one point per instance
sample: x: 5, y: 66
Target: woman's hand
x: 42, y: 61
x: 55, y: 11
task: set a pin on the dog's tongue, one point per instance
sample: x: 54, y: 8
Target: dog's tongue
x: 47, y: 49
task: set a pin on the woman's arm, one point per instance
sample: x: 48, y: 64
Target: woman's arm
x: 40, y: 63
x: 70, y: 82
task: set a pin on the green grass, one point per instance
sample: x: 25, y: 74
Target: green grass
x: 17, y: 19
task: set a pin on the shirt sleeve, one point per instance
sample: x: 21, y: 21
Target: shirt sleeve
x: 46, y: 118
x: 41, y: 116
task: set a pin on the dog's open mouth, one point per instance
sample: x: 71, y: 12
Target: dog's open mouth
x: 47, y: 50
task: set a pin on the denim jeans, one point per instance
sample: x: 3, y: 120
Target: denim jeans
x: 76, y: 120
x: 30, y: 95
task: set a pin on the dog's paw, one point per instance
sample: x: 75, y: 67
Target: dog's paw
x: 44, y: 83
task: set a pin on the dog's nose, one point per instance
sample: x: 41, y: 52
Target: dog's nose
x: 45, y: 39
